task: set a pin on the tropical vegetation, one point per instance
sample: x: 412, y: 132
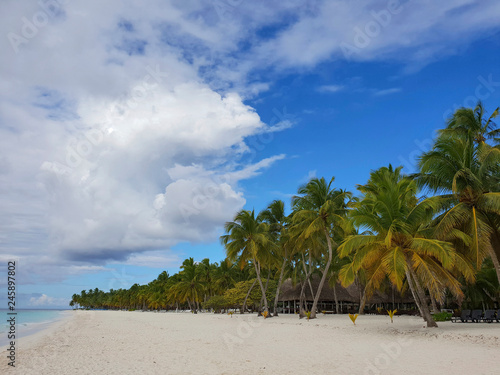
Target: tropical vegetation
x: 434, y: 234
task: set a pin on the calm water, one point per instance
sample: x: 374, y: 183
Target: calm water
x: 28, y: 322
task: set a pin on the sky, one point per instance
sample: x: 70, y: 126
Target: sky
x: 130, y: 132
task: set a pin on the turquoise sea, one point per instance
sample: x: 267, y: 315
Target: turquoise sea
x: 28, y: 322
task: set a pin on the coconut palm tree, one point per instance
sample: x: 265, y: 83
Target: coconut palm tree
x: 75, y: 300
x: 248, y: 238
x: 189, y: 288
x: 275, y: 216
x: 318, y: 211
x: 399, y: 246
x: 223, y: 277
x: 465, y: 170
x: 205, y: 271
x: 485, y: 291
x: 473, y: 124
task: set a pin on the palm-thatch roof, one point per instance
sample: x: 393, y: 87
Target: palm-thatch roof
x: 351, y: 294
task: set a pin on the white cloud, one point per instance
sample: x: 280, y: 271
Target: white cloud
x: 94, y: 129
x: 153, y: 259
x: 385, y: 92
x: 47, y: 301
x: 141, y: 186
x: 413, y: 32
x: 330, y: 88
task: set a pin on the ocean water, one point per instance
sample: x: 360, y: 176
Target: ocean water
x: 27, y: 322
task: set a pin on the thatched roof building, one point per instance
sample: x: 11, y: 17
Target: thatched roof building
x: 348, y: 298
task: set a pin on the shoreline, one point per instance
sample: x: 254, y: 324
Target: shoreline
x: 122, y: 342
x: 25, y: 330
x: 37, y: 330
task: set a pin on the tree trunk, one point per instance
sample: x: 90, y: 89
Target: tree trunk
x: 257, y: 269
x: 434, y: 304
x: 323, y: 278
x: 303, y: 309
x: 421, y: 295
x: 414, y: 293
x: 246, y: 297
x: 275, y: 307
x: 362, y: 303
x: 264, y: 295
x: 310, y: 286
x: 267, y: 284
x: 336, y: 299
x: 301, y: 300
x: 308, y: 271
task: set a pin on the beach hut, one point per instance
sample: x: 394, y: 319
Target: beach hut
x: 348, y: 299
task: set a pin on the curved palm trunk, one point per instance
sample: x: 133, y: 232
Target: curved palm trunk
x: 267, y: 281
x: 414, y: 294
x: 336, y: 299
x: 308, y: 272
x: 421, y: 295
x: 310, y: 285
x: 434, y: 304
x: 362, y: 303
x: 280, y: 281
x: 301, y: 301
x: 257, y: 269
x: 263, y: 294
x: 323, y: 278
x: 246, y: 297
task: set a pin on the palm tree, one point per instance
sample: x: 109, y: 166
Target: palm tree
x: 75, y: 300
x: 223, y: 277
x: 205, y: 271
x: 319, y: 209
x: 189, y: 288
x: 399, y: 246
x: 465, y: 170
x: 275, y: 216
x: 472, y: 123
x: 248, y: 238
x: 486, y: 289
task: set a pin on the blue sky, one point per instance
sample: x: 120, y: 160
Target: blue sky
x: 130, y: 134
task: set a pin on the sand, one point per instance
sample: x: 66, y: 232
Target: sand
x: 114, y: 342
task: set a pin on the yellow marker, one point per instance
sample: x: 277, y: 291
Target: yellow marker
x: 391, y: 314
x: 353, y: 318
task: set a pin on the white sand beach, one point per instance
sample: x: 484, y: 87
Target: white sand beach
x: 112, y: 342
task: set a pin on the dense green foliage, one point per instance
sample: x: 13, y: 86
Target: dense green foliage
x: 442, y: 316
